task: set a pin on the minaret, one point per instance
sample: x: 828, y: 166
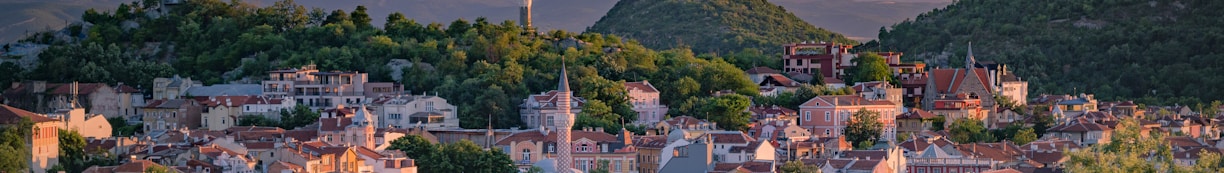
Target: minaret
x: 525, y: 14
x: 565, y: 122
x: 969, y: 61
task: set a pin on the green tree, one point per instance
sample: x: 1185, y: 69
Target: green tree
x: 360, y: 18
x: 337, y: 16
x: 299, y: 116
x: 965, y: 130
x: 601, y: 167
x: 870, y: 67
x: 863, y: 129
x: 72, y: 151
x: 729, y: 111
x: 13, y: 151
x: 413, y: 146
x: 796, y: 166
x: 1024, y: 136
x: 157, y: 169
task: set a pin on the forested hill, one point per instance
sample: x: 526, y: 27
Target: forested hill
x: 710, y: 25
x: 1118, y: 49
x: 486, y: 68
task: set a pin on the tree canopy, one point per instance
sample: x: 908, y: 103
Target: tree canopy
x: 863, y: 129
x: 462, y: 156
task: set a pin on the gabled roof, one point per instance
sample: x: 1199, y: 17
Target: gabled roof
x: 1079, y: 125
x: 778, y: 110
x: 778, y: 80
x: 167, y: 103
x: 865, y: 154
x: 9, y: 115
x: 228, y: 101
x: 867, y: 86
x: 949, y: 80
x: 330, y: 124
x: 917, y: 114
x: 733, y: 137
x: 643, y: 86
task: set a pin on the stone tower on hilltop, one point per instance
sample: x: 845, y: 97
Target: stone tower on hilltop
x: 525, y: 14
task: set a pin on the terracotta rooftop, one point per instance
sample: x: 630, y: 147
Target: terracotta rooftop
x: 949, y: 80
x: 917, y: 114
x: 844, y: 100
x: 1079, y: 125
x: 9, y: 115
x: 643, y: 86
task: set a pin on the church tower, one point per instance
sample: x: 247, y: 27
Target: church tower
x: 969, y: 60
x: 565, y: 122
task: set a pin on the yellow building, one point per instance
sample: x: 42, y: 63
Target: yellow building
x: 43, y: 142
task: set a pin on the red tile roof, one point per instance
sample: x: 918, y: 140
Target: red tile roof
x: 9, y: 115
x: 1080, y: 125
x: 732, y: 138
x: 777, y: 110
x: 778, y: 80
x: 917, y: 114
x: 949, y: 80
x: 860, y: 87
x: 865, y: 165
x: 135, y: 166
x: 330, y: 124
x: 644, y: 86
x: 845, y: 100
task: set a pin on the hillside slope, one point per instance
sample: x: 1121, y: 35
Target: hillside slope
x: 709, y: 26
x: 22, y: 16
x: 1117, y: 49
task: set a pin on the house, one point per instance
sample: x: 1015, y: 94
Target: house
x: 816, y: 58
x: 96, y: 98
x: 42, y: 143
x: 649, y: 152
x: 401, y: 111
x: 1006, y: 83
x: 748, y: 167
x: 915, y: 121
x: 772, y: 113
x: 756, y: 151
x: 1049, y: 153
x: 1082, y: 131
x: 879, y: 90
x: 893, y: 157
x: 1075, y: 106
x: 317, y: 89
x: 645, y: 100
x: 970, y: 81
x: 221, y: 112
x: 172, y: 88
x: 758, y: 74
x: 540, y: 110
x: 590, y: 145
x: 779, y: 82
x: 172, y: 114
x: 1121, y: 108
x: 321, y: 157
x: 936, y: 159
x: 227, y: 160
x: 224, y: 90
x: 856, y: 166
x: 343, y: 126
x: 88, y: 125
x: 827, y: 115
x: 779, y: 130
x: 267, y: 107
x: 960, y: 106
x: 1190, y: 157
x: 685, y: 156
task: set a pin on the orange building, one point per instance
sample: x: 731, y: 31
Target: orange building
x: 43, y: 141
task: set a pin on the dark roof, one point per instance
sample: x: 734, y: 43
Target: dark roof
x: 761, y: 70
x: 1079, y: 125
x: 9, y: 115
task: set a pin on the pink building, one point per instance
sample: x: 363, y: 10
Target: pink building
x: 827, y: 115
x: 542, y: 109
x: 645, y: 100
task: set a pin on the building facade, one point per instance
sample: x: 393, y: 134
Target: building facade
x: 319, y: 89
x: 645, y: 100
x: 432, y: 112
x: 827, y: 115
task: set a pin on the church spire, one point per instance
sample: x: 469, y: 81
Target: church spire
x: 969, y: 60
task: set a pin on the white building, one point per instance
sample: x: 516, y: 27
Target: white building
x: 432, y: 112
x: 541, y: 109
x: 645, y: 100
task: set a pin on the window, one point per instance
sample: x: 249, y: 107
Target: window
x: 936, y: 170
x: 429, y: 106
x: 826, y: 132
x: 617, y: 167
x: 827, y: 118
x: 526, y: 154
x: 549, y: 121
x: 807, y: 116
x: 584, y: 148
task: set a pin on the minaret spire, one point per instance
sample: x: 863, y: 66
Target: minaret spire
x: 565, y: 122
x: 969, y: 60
